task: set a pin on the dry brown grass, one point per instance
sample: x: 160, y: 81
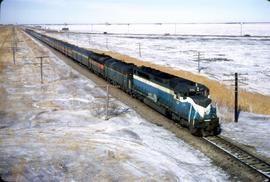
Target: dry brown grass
x: 18, y: 170
x: 2, y: 66
x: 220, y: 93
x: 5, y: 38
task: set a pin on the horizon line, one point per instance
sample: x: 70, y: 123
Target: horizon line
x: 141, y: 23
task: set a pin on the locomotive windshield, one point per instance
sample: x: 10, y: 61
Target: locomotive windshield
x: 198, y: 94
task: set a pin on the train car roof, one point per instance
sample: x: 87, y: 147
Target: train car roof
x: 177, y: 84
x: 119, y: 65
x: 155, y: 72
x: 122, y: 67
x: 99, y: 57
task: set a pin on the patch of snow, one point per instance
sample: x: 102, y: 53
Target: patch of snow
x: 252, y: 130
x: 258, y: 29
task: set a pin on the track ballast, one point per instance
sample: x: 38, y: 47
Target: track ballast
x: 241, y: 155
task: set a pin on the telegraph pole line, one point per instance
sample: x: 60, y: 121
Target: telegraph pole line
x: 14, y: 44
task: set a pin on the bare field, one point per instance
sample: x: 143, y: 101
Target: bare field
x: 221, y: 94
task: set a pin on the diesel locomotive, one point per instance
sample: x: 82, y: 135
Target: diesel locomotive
x: 184, y: 101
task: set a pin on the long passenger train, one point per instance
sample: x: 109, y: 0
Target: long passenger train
x: 184, y: 101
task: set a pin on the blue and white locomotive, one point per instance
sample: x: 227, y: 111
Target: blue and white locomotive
x: 184, y: 101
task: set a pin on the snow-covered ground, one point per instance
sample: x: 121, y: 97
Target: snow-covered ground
x: 182, y: 29
x: 252, y: 130
x: 56, y: 132
x: 220, y: 56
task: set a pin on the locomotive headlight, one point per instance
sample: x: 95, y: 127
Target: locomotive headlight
x: 207, y: 109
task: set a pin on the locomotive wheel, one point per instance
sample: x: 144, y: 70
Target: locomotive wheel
x: 217, y: 130
x: 195, y: 131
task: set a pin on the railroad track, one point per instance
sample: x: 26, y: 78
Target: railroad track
x: 241, y: 155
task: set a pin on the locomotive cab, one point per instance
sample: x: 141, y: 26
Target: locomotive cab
x: 194, y: 105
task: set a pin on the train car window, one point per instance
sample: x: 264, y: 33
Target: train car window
x: 194, y: 93
x: 206, y: 92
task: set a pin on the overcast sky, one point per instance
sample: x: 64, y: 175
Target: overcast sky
x: 130, y: 11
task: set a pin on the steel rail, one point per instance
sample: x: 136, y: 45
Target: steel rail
x: 241, y: 155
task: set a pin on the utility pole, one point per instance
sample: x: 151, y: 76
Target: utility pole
x: 89, y: 39
x: 236, y: 98
x: 92, y: 28
x: 140, y: 52
x: 107, y: 42
x: 41, y: 64
x: 237, y: 81
x: 128, y: 27
x: 199, y: 60
x: 41, y: 67
x: 241, y: 28
x: 14, y: 54
x: 14, y: 44
x: 77, y: 41
x: 107, y: 97
x: 107, y: 101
